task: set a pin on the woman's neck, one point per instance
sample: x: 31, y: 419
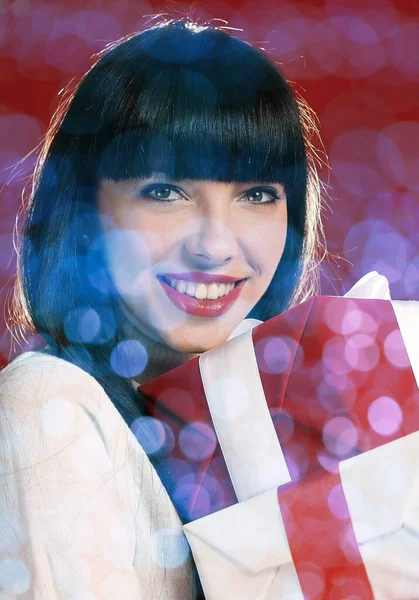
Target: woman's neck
x: 161, y: 358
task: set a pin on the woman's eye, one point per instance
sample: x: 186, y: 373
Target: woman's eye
x: 263, y: 196
x: 168, y: 194
x: 160, y: 193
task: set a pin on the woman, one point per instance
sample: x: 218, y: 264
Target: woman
x: 178, y: 169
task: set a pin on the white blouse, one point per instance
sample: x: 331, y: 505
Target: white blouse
x: 83, y: 513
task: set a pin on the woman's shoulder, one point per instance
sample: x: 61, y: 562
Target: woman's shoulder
x: 36, y: 376
x: 39, y: 367
x: 93, y: 503
x: 47, y: 402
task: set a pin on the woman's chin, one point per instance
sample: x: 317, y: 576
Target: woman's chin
x: 194, y: 344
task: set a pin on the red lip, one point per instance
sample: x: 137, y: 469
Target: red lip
x: 202, y: 308
x: 200, y: 277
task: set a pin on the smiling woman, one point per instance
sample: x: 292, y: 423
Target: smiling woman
x: 205, y: 236
x: 175, y: 195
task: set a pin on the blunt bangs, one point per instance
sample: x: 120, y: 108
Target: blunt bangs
x: 210, y: 141
x: 191, y: 105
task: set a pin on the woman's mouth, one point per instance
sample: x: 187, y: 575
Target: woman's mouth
x: 201, y: 291
x: 201, y: 299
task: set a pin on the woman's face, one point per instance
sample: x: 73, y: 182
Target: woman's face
x: 199, y: 233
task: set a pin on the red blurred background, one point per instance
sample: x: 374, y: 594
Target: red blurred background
x: 357, y: 66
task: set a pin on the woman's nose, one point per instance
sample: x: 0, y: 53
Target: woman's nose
x: 213, y: 243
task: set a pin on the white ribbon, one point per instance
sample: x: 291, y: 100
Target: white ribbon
x: 237, y: 402
x: 241, y: 417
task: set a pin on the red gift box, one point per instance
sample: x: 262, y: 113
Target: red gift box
x: 320, y: 363
x: 337, y: 381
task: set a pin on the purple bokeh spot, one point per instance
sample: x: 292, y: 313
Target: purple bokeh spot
x: 385, y: 415
x: 337, y: 503
x: 340, y: 436
x: 197, y: 441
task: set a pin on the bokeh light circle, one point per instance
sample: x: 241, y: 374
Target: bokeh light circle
x: 361, y: 352
x: 15, y: 578
x: 395, y: 350
x: 283, y: 423
x: 81, y: 325
x: 229, y: 398
x: 151, y: 433
x: 276, y: 353
x: 333, y: 357
x: 197, y: 440
x: 340, y: 436
x: 385, y: 415
x: 129, y: 358
x: 337, y: 503
x: 336, y: 392
x: 394, y: 151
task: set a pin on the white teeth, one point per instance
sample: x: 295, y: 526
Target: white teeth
x: 202, y: 291
x: 181, y: 286
x: 190, y: 288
